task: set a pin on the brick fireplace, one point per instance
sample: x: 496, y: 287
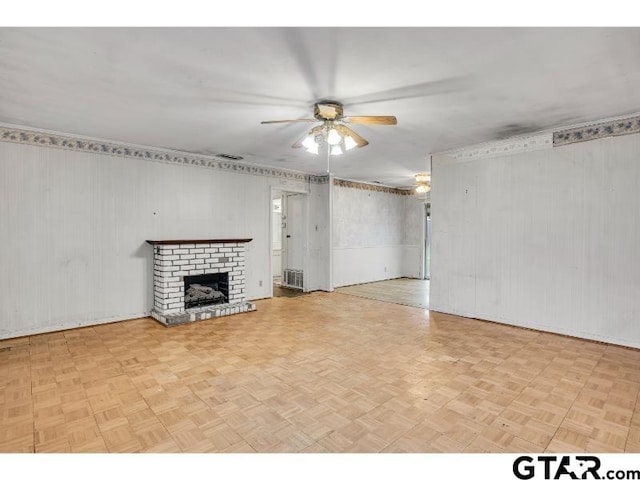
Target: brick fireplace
x: 198, y: 279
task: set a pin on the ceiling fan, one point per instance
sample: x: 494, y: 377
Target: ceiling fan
x: 333, y: 130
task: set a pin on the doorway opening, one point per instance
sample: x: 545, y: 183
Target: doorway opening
x: 276, y: 238
x: 288, y: 240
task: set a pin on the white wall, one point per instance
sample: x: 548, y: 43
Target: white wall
x: 547, y: 239
x: 413, y: 237
x: 319, y: 237
x: 73, y: 227
x: 374, y: 236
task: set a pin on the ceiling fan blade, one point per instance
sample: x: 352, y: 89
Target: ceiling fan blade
x: 290, y: 121
x: 344, y: 130
x: 298, y: 143
x: 425, y: 89
x: 372, y: 120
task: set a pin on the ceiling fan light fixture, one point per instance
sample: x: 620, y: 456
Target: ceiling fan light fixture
x: 423, y: 188
x: 309, y: 142
x: 313, y: 149
x: 423, y: 182
x: 333, y: 137
x: 349, y: 143
x: 423, y: 177
x: 333, y: 133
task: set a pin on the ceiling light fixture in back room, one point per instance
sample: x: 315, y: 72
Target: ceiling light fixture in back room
x: 332, y: 134
x: 423, y: 182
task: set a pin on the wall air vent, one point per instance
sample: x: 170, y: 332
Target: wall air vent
x: 293, y: 278
x: 228, y: 157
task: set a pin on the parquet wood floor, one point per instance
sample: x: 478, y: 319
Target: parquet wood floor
x: 405, y: 291
x: 279, y: 291
x: 317, y: 373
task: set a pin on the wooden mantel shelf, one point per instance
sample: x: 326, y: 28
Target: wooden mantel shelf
x: 174, y: 242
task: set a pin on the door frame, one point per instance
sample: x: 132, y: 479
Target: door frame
x: 305, y: 208
x: 426, y: 244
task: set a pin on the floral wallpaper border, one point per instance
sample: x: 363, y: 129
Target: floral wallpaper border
x: 374, y: 188
x: 613, y: 128
x: 29, y: 137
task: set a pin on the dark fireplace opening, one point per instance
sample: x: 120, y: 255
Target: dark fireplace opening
x: 203, y: 290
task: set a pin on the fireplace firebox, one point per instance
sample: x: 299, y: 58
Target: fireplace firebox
x: 203, y: 290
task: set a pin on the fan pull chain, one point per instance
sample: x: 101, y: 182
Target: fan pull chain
x: 328, y: 158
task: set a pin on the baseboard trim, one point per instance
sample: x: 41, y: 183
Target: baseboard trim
x: 592, y: 337
x: 72, y: 325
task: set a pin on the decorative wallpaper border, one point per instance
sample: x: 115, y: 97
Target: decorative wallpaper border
x: 319, y: 179
x: 30, y: 137
x: 613, y: 128
x: 374, y: 188
x: 498, y: 148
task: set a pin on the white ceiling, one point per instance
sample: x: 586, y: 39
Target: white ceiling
x: 205, y: 90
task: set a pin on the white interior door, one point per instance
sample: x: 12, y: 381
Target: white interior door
x: 293, y: 231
